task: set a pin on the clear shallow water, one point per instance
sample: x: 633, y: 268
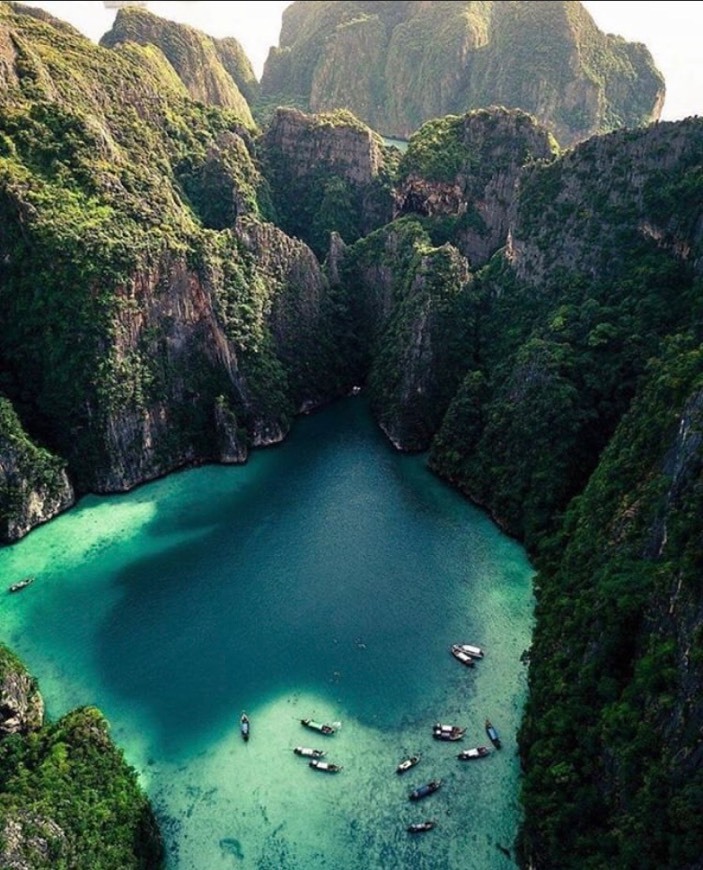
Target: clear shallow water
x: 327, y: 578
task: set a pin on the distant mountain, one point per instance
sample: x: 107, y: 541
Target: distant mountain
x: 398, y: 64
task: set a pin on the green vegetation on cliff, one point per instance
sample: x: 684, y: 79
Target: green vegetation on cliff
x: 608, y: 736
x: 68, y: 799
x: 572, y: 412
x: 578, y: 427
x: 124, y: 201
x: 327, y: 172
x: 27, y: 469
x: 213, y: 71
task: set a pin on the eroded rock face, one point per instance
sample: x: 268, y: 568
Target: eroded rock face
x: 33, y: 482
x: 21, y: 705
x: 476, y: 185
x: 311, y: 141
x: 327, y: 172
x: 626, y: 174
x: 28, y: 838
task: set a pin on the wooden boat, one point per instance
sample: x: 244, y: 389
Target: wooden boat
x: 476, y: 752
x: 493, y: 735
x: 244, y: 726
x: 319, y: 726
x: 475, y: 652
x: 424, y: 790
x: 307, y: 752
x: 327, y: 766
x: 21, y: 584
x: 447, y: 732
x: 419, y: 827
x: 462, y: 656
x: 407, y: 764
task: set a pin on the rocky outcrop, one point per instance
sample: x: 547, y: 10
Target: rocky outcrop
x: 210, y: 70
x: 34, y: 486
x: 416, y: 371
x: 167, y: 317
x: 613, y: 181
x: 67, y: 798
x: 235, y: 61
x: 299, y: 316
x: 414, y: 326
x: 466, y: 169
x: 397, y: 65
x: 339, y: 141
x: 327, y: 172
x: 194, y: 394
x: 29, y: 840
x: 21, y: 705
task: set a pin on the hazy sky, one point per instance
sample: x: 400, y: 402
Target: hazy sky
x: 671, y: 30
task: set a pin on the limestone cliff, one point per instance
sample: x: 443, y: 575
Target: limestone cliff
x: 34, y: 486
x: 175, y: 308
x: 397, y: 65
x: 68, y: 799
x: 327, y: 172
x: 464, y: 170
x: 213, y: 71
x: 21, y: 705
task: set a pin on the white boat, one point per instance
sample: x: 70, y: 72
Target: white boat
x: 324, y: 765
x: 21, y: 584
x: 475, y: 652
x: 462, y: 656
x: 407, y: 763
x: 307, y: 752
x: 244, y: 726
x: 474, y: 752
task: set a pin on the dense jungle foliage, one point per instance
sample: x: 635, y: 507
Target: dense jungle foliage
x: 73, y: 802
x: 67, y: 797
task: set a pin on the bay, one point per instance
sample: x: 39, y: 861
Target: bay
x: 327, y: 578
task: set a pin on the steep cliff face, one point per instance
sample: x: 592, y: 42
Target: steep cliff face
x: 171, y: 303
x: 327, y: 172
x: 213, y: 71
x: 414, y: 376
x: 600, y: 266
x: 34, y: 486
x: 631, y: 196
x: 413, y: 321
x: 21, y: 705
x: 397, y: 65
x: 168, y: 363
x: 302, y: 314
x: 616, y: 657
x: 464, y: 170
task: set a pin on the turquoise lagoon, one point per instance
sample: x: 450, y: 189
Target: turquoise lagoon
x: 326, y: 578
